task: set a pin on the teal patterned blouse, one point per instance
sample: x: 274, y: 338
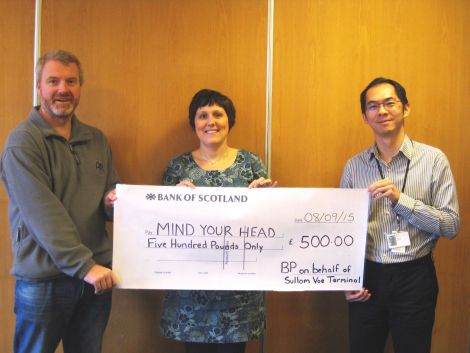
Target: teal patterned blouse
x: 213, y: 316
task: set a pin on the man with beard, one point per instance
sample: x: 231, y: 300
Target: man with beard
x: 60, y: 181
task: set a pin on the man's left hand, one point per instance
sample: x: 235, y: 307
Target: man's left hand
x: 109, y: 199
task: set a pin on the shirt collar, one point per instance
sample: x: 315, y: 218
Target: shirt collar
x: 406, y: 149
x: 80, y: 132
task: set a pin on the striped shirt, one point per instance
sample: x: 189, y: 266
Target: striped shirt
x: 426, y: 209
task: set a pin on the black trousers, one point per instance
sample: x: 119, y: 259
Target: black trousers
x: 192, y: 347
x: 403, y: 303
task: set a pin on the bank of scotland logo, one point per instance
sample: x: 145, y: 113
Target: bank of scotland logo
x: 150, y: 197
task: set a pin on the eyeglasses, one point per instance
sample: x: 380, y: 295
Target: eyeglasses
x: 389, y: 105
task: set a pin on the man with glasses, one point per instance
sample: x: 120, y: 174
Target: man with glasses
x: 413, y: 203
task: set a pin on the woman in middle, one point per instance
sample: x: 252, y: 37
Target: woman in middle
x: 214, y: 321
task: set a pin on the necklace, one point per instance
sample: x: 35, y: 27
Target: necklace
x: 215, y: 160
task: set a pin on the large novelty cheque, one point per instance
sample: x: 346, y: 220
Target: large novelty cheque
x: 282, y: 239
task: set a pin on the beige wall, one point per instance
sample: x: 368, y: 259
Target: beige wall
x: 144, y: 60
x: 326, y: 52
x: 16, y: 92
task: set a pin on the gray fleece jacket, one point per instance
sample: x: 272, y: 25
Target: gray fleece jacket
x: 55, y: 189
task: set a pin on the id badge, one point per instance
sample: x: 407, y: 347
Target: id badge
x: 398, y: 240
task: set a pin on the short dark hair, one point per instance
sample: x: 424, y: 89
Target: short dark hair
x: 210, y: 97
x: 399, y: 89
x: 64, y: 57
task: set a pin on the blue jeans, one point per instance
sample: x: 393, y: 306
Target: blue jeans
x: 60, y: 309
